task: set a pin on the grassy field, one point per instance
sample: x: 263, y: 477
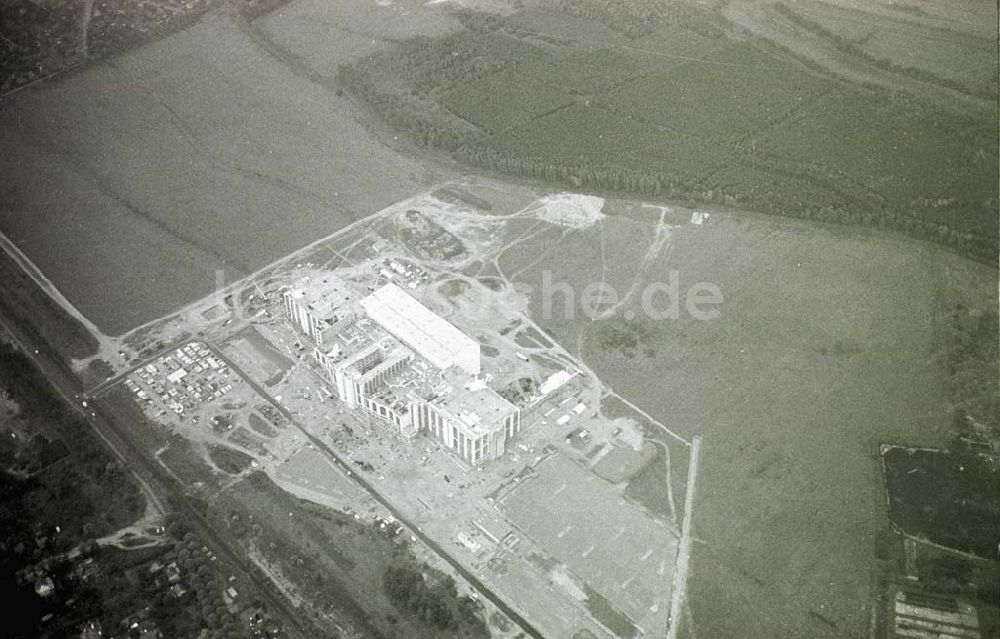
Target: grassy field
x: 229, y: 460
x: 736, y: 118
x: 828, y: 343
x: 23, y: 299
x: 133, y: 183
x: 149, y: 149
x: 334, y: 561
x: 950, y: 50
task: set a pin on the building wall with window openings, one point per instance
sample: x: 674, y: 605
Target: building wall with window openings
x: 315, y: 304
x: 392, y: 357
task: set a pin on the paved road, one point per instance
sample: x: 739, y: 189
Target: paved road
x: 679, y: 590
x: 103, y: 387
x: 157, y: 482
x: 345, y: 467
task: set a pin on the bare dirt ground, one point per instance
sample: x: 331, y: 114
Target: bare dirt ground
x: 130, y: 184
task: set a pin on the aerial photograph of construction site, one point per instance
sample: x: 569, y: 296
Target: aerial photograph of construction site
x: 568, y: 319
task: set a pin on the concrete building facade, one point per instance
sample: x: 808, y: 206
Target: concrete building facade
x: 314, y: 306
x: 471, y: 420
x: 392, y: 357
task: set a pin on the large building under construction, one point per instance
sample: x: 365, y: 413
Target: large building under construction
x: 420, y: 328
x: 315, y: 306
x: 393, y: 357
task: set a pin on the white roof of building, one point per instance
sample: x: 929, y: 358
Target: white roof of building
x: 476, y: 406
x: 555, y: 381
x: 321, y: 297
x: 427, y: 333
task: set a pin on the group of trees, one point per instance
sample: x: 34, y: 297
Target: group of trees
x: 637, y: 18
x: 427, y: 68
x: 626, y: 336
x: 433, y: 598
x: 123, y: 585
x: 634, y: 18
x: 119, y: 584
x: 409, y: 113
x: 831, y: 204
x: 38, y: 40
x: 776, y: 200
x: 88, y: 495
x: 202, y: 607
x: 972, y: 366
x: 437, y: 64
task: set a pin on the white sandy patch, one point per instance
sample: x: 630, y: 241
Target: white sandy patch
x: 629, y: 432
x: 698, y: 218
x: 571, y: 210
x: 560, y: 576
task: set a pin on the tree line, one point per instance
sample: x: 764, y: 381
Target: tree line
x: 433, y: 598
x: 971, y: 363
x: 433, y: 66
x: 844, y: 45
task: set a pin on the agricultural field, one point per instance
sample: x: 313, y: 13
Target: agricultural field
x: 147, y: 149
x: 828, y: 343
x: 324, y: 35
x: 138, y: 184
x: 144, y: 183
x: 958, y: 51
x: 708, y: 114
x: 711, y: 99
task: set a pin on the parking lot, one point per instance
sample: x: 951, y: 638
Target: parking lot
x: 182, y: 380
x: 580, y: 519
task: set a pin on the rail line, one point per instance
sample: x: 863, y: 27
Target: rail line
x: 156, y: 482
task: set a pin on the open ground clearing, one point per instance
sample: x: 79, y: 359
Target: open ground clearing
x: 329, y: 559
x: 132, y: 184
x: 828, y: 343
x: 618, y: 552
x: 711, y: 113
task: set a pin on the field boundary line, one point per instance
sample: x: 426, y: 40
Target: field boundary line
x: 53, y: 74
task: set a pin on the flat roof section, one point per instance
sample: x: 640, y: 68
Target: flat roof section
x: 321, y: 296
x: 423, y: 330
x: 481, y: 409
